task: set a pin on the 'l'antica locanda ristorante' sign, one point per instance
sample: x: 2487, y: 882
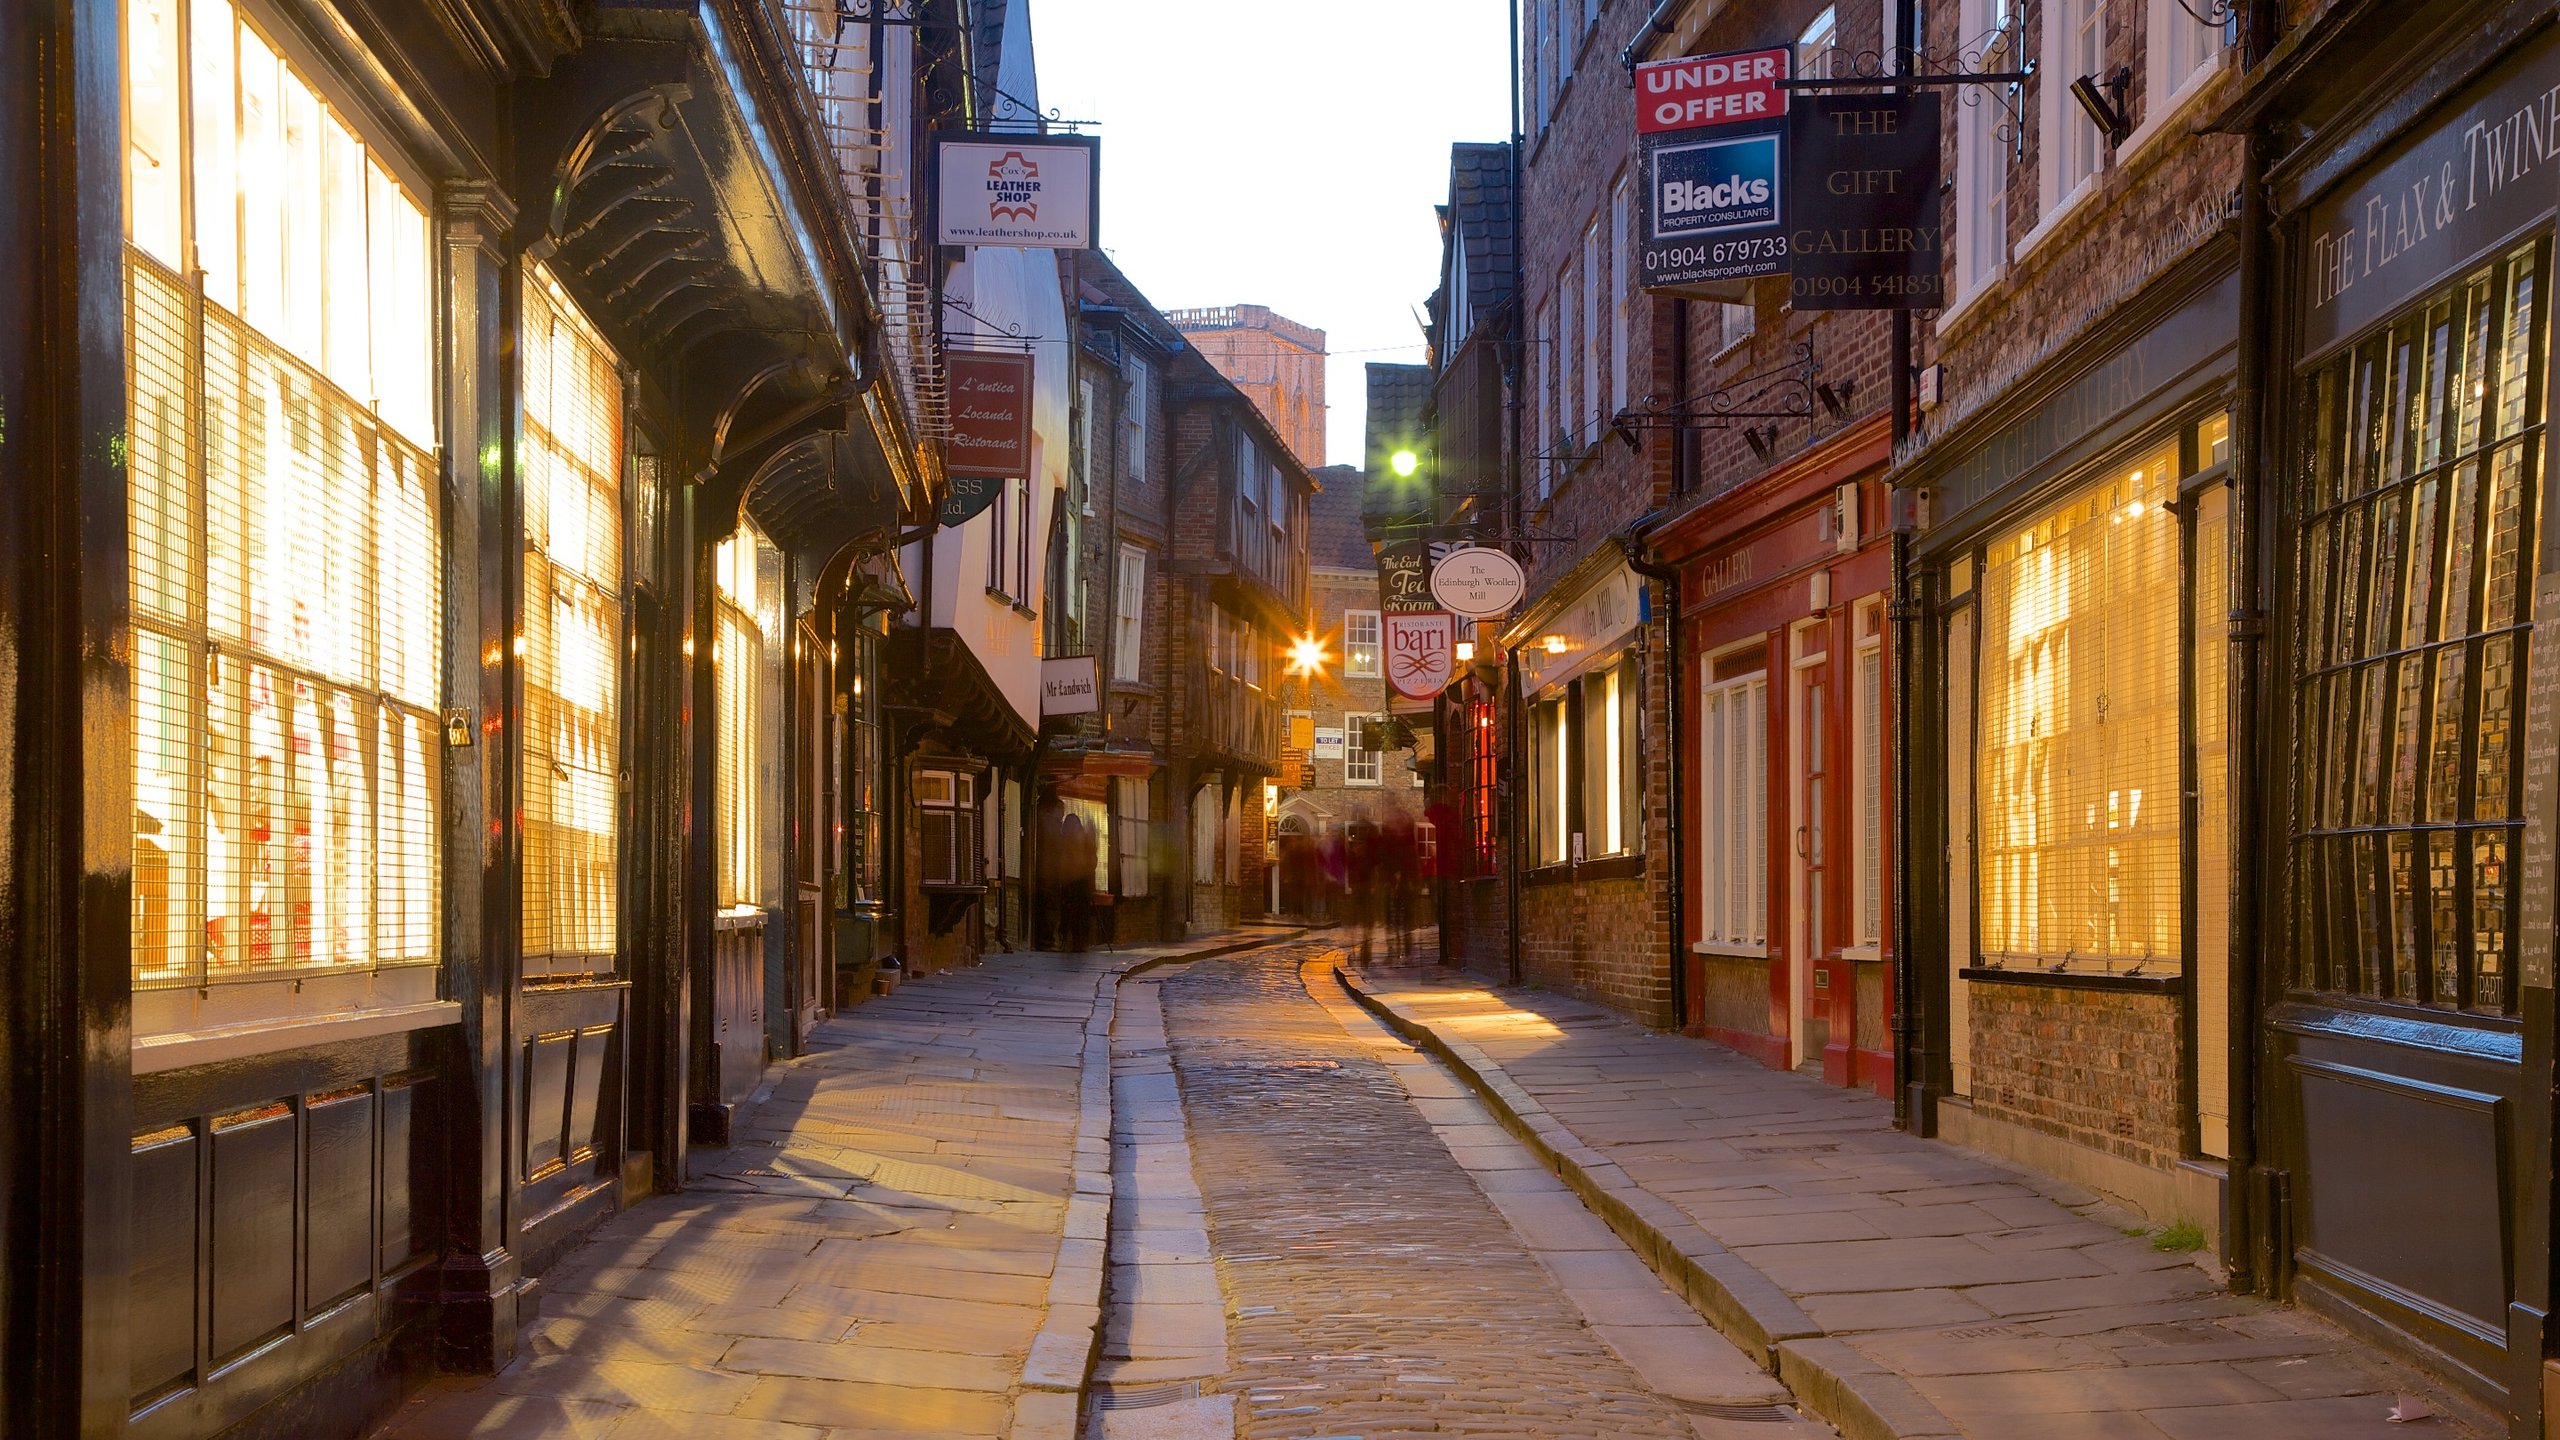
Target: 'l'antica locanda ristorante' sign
x: 990, y: 414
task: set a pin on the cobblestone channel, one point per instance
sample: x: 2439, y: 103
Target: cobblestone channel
x: 1373, y: 1290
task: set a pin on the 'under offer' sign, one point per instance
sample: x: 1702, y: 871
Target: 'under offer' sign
x: 1712, y: 132
x: 1863, y: 228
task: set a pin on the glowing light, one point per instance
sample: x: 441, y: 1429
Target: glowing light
x: 1554, y: 644
x: 1466, y: 651
x: 1404, y: 463
x: 1307, y: 655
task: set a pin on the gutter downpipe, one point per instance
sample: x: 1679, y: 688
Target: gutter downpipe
x: 1632, y: 545
x: 2244, y: 1225
x: 1517, y: 354
x: 1913, y: 1107
x: 1656, y: 25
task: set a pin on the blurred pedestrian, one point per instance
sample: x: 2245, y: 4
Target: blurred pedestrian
x: 1048, y: 862
x: 1075, y: 883
x: 1360, y: 868
x: 1396, y: 856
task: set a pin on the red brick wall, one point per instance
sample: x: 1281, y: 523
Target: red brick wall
x: 2099, y: 1068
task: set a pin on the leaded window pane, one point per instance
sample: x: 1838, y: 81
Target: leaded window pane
x: 2415, y: 498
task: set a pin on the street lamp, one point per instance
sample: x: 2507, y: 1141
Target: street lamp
x: 1307, y: 656
x: 1404, y: 463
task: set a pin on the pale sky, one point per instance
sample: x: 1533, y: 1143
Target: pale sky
x: 1282, y: 155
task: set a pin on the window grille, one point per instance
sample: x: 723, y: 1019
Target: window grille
x: 287, y: 581
x: 571, y: 462
x: 2210, y: 724
x: 2079, y: 744
x: 1734, y: 731
x: 2424, y: 469
x: 1360, y: 644
x: 747, y: 611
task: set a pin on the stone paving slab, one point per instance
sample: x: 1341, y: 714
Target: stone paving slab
x: 905, y: 1241
x: 1902, y: 1287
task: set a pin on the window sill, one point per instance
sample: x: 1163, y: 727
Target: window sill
x: 2166, y: 122
x: 1729, y: 949
x: 737, y: 917
x: 1960, y: 313
x: 185, y: 1049
x: 2168, y: 983
x: 1558, y: 873
x: 2059, y: 218
x: 1864, y: 954
x: 1611, y: 867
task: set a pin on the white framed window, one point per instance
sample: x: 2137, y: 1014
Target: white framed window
x: 572, y: 458
x: 1360, y: 764
x: 283, y: 551
x: 1550, y: 781
x: 1621, y: 292
x: 1542, y: 366
x: 1595, y: 282
x: 1134, y: 413
x: 1867, y: 701
x: 1733, y: 323
x: 1568, y: 366
x: 746, y: 680
x: 1982, y: 168
x: 2181, y: 50
x: 2073, y: 146
x: 1733, y: 731
x: 1815, y: 46
x: 1612, y: 762
x: 1360, y: 644
x: 1129, y: 616
x: 1132, y: 814
x: 1089, y: 422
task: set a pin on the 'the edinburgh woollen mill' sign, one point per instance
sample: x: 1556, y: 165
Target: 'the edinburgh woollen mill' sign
x: 1477, y: 581
x: 1863, y: 229
x: 1027, y: 191
x: 990, y: 414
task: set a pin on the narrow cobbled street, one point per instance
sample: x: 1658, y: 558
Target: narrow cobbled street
x: 1390, y: 1262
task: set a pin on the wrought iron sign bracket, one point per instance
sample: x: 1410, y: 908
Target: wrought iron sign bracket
x: 1966, y: 69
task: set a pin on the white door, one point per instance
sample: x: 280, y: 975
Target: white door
x: 1808, y: 724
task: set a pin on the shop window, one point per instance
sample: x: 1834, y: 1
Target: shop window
x: 1733, y: 727
x: 1129, y: 617
x: 1479, y: 793
x: 745, y: 661
x: 1362, y: 762
x: 1360, y: 644
x: 1867, y: 701
x: 2078, y: 752
x: 949, y: 851
x: 2425, y: 446
x: 1612, y: 762
x: 1551, y: 767
x: 2210, y: 725
x: 1130, y: 824
x: 285, y: 570
x: 572, y: 457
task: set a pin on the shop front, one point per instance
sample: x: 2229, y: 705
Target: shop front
x: 1585, y: 842
x: 1782, y: 591
x: 2405, y: 1125
x: 2068, y: 760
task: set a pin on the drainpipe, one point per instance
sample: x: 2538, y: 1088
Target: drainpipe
x: 1913, y: 1108
x: 2245, y: 1227
x: 1656, y: 25
x: 1515, y: 346
x: 1634, y: 549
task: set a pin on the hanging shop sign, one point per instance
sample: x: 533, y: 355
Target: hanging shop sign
x: 1030, y: 191
x: 1069, y: 685
x: 1404, y: 578
x: 2467, y: 182
x: 1863, y: 229
x: 990, y: 413
x: 1477, y: 581
x: 968, y: 497
x: 1418, y: 651
x: 1587, y: 628
x: 1711, y: 133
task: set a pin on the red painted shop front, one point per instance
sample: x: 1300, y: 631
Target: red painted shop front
x: 1787, y: 786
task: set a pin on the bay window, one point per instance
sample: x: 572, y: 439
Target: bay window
x: 2425, y: 445
x: 746, y: 684
x: 571, y: 462
x: 1733, y: 729
x: 286, y: 575
x: 2078, y: 746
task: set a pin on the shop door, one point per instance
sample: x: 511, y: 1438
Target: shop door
x: 814, y: 778
x: 1808, y: 751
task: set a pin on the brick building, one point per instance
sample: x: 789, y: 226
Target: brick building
x: 1188, y: 532
x: 1277, y: 363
